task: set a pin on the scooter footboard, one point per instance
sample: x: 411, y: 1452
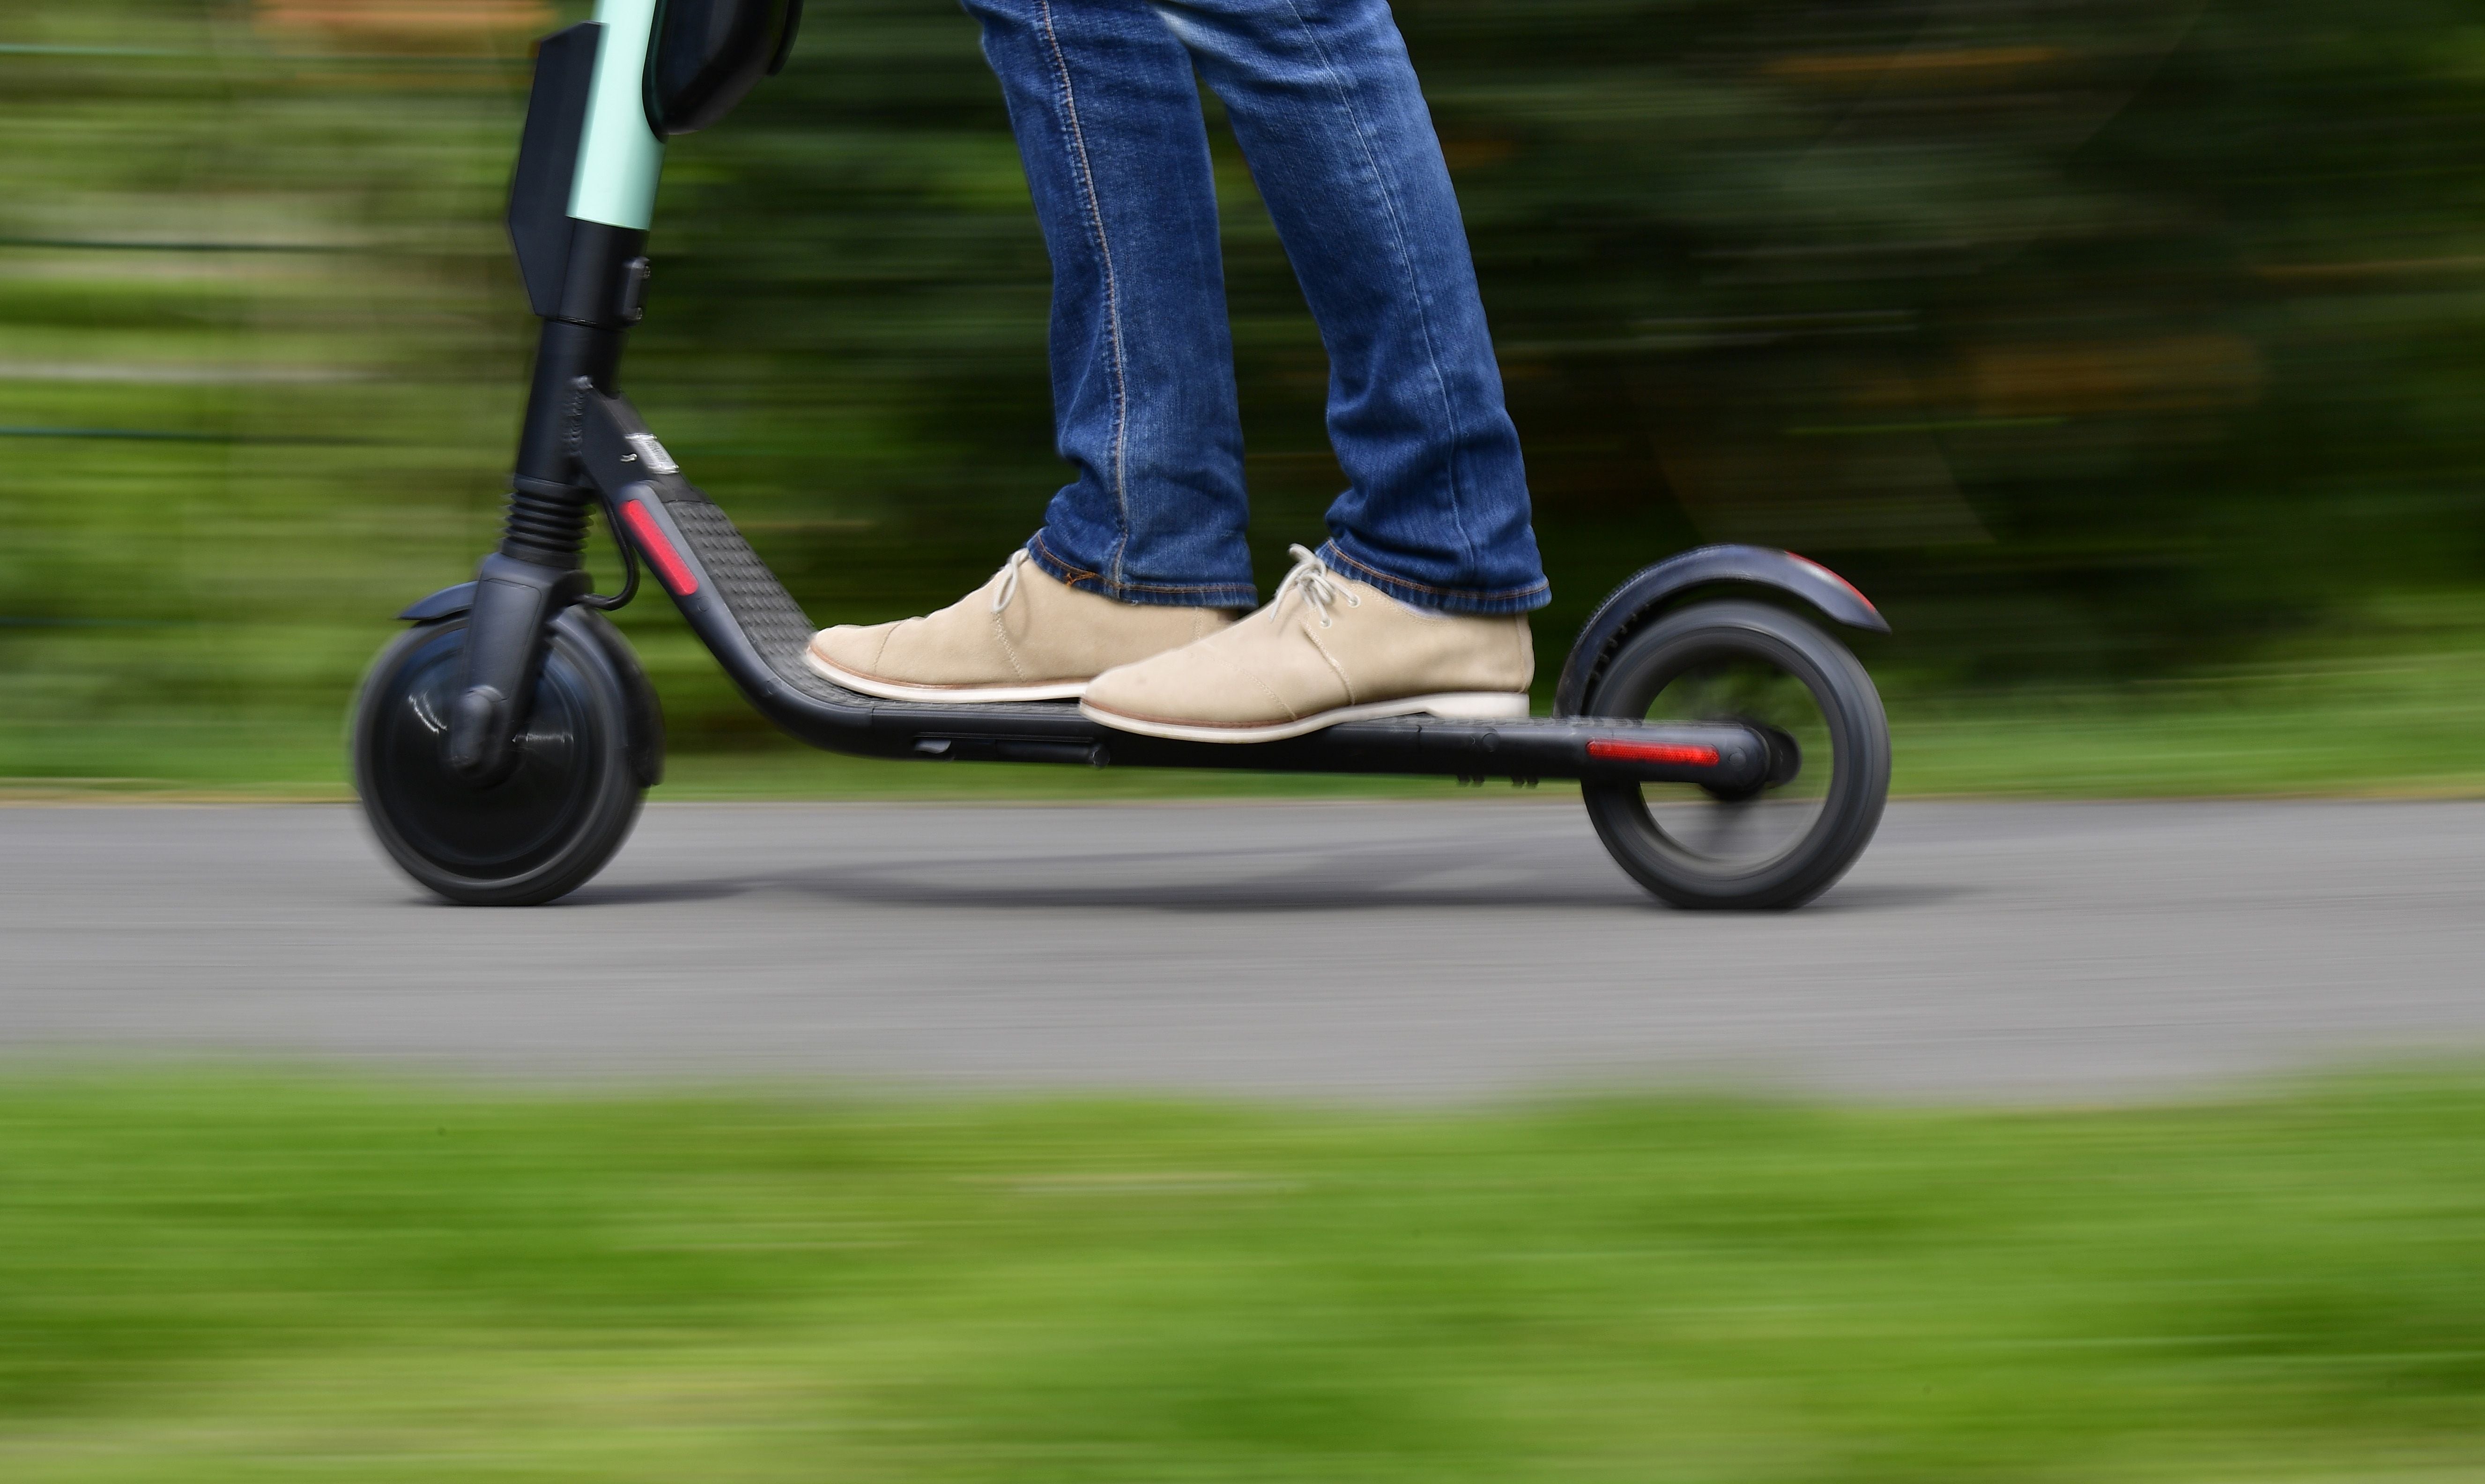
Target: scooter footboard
x: 760, y: 634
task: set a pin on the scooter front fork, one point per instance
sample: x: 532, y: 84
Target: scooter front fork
x: 523, y: 587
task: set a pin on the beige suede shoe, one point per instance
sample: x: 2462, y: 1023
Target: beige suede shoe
x: 1022, y: 635
x: 1329, y: 649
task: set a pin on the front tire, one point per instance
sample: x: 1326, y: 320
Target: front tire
x: 1786, y: 844
x: 547, y: 827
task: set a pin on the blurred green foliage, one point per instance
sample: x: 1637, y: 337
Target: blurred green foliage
x: 2105, y: 342
x: 207, y: 1279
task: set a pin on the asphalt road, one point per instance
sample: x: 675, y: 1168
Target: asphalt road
x: 1476, y: 945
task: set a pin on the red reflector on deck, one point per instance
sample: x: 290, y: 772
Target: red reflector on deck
x: 678, y: 578
x: 1654, y: 752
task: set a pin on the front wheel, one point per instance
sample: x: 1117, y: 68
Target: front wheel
x: 1785, y: 843
x: 553, y: 820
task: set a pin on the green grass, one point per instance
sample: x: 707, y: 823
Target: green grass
x: 222, y: 1276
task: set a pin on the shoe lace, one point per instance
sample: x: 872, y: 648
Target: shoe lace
x: 1315, y: 584
x: 1008, y: 575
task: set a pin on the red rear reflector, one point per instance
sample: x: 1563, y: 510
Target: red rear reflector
x: 678, y: 578
x: 1834, y: 577
x: 1654, y: 752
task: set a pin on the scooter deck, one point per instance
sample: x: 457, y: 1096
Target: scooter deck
x: 760, y: 634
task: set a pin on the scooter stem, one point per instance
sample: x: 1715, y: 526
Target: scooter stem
x: 580, y: 201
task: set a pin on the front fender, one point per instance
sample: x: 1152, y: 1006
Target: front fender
x: 646, y: 714
x: 447, y: 603
x: 1757, y: 566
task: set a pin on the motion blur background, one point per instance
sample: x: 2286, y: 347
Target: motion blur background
x: 2127, y: 351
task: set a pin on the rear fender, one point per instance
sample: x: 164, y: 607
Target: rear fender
x: 1657, y: 587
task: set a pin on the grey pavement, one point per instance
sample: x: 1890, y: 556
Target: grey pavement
x: 1473, y: 947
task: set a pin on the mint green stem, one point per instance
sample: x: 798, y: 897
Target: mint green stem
x: 620, y: 156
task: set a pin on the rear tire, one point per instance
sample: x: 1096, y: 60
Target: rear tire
x: 553, y: 822
x: 1825, y: 829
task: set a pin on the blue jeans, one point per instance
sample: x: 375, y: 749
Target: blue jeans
x: 1324, y: 102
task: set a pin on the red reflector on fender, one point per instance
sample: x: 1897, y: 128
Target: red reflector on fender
x: 1654, y: 752
x: 1834, y: 577
x: 678, y: 578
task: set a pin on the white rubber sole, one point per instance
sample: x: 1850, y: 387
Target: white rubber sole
x: 955, y: 694
x: 1456, y: 705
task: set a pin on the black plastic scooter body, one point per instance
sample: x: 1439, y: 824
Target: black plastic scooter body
x: 756, y: 631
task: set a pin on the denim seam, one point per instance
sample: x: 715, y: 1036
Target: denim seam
x: 1112, y: 285
x: 1071, y: 573
x: 1407, y: 266
x: 1480, y: 595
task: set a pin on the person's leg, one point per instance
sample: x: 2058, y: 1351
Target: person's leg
x: 1325, y: 104
x: 1143, y: 551
x: 1107, y: 117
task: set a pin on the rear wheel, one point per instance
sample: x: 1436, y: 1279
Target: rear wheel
x: 1786, y: 842
x: 551, y: 823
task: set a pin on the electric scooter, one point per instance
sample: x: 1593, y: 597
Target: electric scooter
x: 1730, y: 752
